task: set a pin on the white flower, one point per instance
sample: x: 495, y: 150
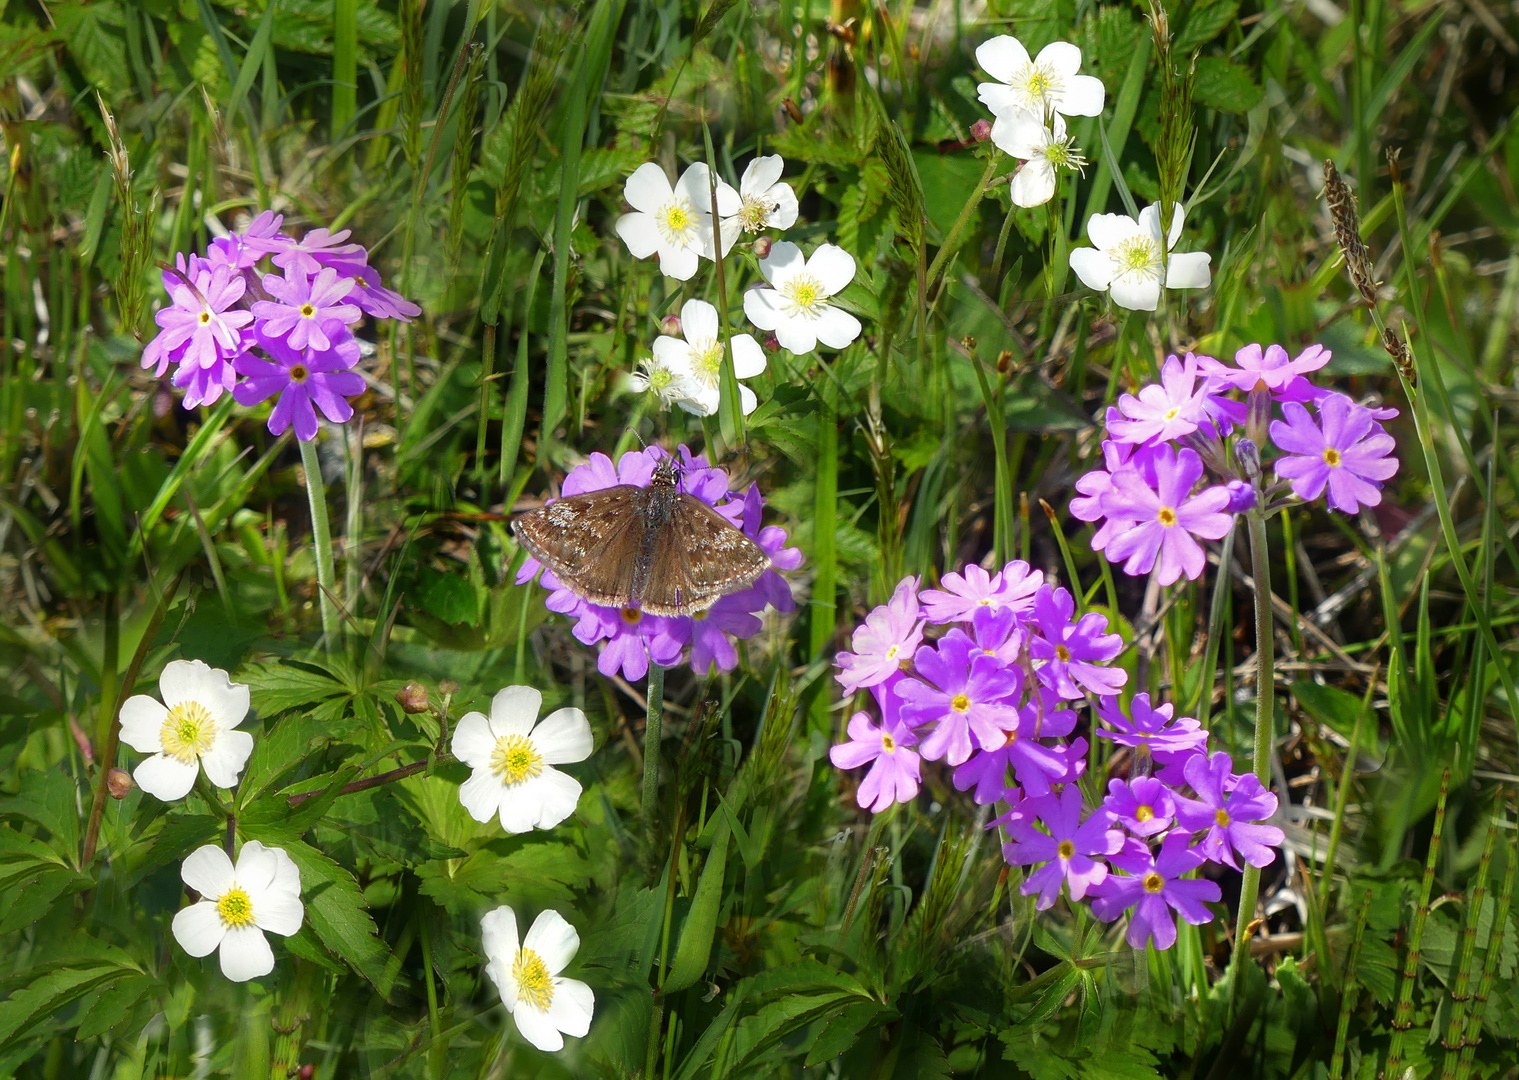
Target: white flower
x: 191, y: 730
x: 1128, y: 263
x: 513, y: 761
x: 675, y: 223
x: 1045, y: 150
x: 761, y: 201
x: 237, y: 905
x: 670, y: 383
x: 796, y: 306
x: 542, y: 1003
x: 697, y: 361
x: 1044, y: 85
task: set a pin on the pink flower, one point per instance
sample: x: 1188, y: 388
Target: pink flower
x: 1152, y: 887
x: 1012, y: 587
x: 885, y: 641
x: 894, y: 776
x: 309, y: 310
x: 1167, y: 516
x: 302, y: 378
x: 1270, y: 368
x: 202, y: 327
x: 1168, y: 410
x: 1350, y: 454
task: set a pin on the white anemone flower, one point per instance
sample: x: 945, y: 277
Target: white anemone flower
x: 673, y: 222
x: 1045, y: 150
x: 513, y: 761
x: 669, y: 379
x: 698, y: 354
x: 237, y: 904
x: 546, y: 1006
x: 796, y: 306
x: 192, y: 729
x: 1045, y: 84
x: 1129, y: 262
x: 761, y: 202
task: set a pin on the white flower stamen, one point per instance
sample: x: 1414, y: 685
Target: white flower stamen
x: 187, y: 732
x: 677, y: 222
x: 804, y: 295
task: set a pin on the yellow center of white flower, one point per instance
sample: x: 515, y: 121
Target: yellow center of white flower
x: 188, y: 732
x: 515, y: 759
x: 659, y: 379
x: 1166, y: 516
x: 677, y: 222
x: 804, y: 295
x: 754, y: 215
x: 707, y: 360
x: 960, y: 703
x: 235, y: 909
x: 1040, y: 85
x: 888, y: 744
x: 1137, y: 255
x: 1062, y: 153
x: 534, y: 984
x: 1154, y: 882
x: 1066, y: 849
x: 1331, y: 457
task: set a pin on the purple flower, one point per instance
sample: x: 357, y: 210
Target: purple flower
x: 1074, y: 652
x: 1241, y: 497
x: 205, y: 385
x: 632, y: 637
x: 1154, y: 888
x: 319, y: 248
x: 712, y: 632
x: 1152, y: 732
x: 309, y: 310
x: 999, y: 632
x: 1350, y: 454
x: 1226, y: 806
x: 242, y: 250
x: 1168, y: 516
x: 302, y: 378
x: 377, y: 300
x: 771, y: 588
x: 1066, y: 850
x: 1143, y: 805
x: 1018, y: 820
x: 964, y: 694
x: 885, y: 641
x: 202, y: 327
x: 1037, y: 765
x: 1270, y: 368
x: 1164, y: 411
x: 962, y: 594
x: 894, y: 776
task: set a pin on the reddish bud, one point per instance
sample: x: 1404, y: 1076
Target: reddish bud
x: 307, y: 1071
x: 981, y: 130
x: 448, y: 686
x: 670, y: 325
x: 118, y: 782
x: 772, y: 343
x: 413, y: 698
x: 762, y: 247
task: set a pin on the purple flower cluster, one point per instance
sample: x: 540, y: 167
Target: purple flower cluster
x: 1183, y: 456
x: 991, y: 694
x: 630, y: 638
x: 230, y: 328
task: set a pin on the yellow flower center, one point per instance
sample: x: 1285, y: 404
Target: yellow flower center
x: 1137, y: 255
x: 515, y: 759
x: 707, y: 360
x: 1066, y: 849
x: 754, y: 215
x: 1171, y: 413
x: 1040, y: 85
x: 1012, y: 737
x: 1144, y: 813
x: 960, y: 703
x: 1331, y: 456
x: 205, y: 317
x: 235, y: 909
x: 1166, y: 517
x: 1063, y: 154
x: 307, y: 311
x: 534, y: 984
x: 188, y: 732
x: 891, y: 653
x: 299, y: 373
x: 1062, y: 653
x: 676, y: 222
x: 1154, y: 882
x: 660, y: 379
x: 888, y: 744
x: 805, y: 295
x: 1222, y: 817
x: 632, y: 615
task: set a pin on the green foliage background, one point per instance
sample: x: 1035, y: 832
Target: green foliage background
x: 786, y: 933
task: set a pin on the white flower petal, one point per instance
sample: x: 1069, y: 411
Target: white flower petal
x: 538, y: 1029
x: 728, y: 199
x: 572, y: 1007
x: 1061, y: 57
x: 165, y: 778
x: 763, y: 307
x: 225, y: 759
x: 1083, y: 96
x: 142, y: 719
x: 498, y: 933
x: 287, y: 876
x: 694, y: 184
x: 472, y: 741
x: 748, y: 357
x: 550, y: 797
x: 1002, y: 57
x: 746, y: 400
x: 701, y: 401
x: 1149, y: 222
x: 731, y: 228
x: 481, y: 794
x: 1135, y: 291
x: 195, y: 680
x: 198, y: 928
x: 647, y: 189
x: 673, y: 353
x: 564, y: 736
x: 835, y: 327
x: 1188, y: 270
x: 245, y: 954
x: 208, y: 871
x: 256, y: 867
x: 762, y: 174
x: 1021, y: 134
x: 640, y: 233
x: 1107, y: 231
x: 784, y: 260
x: 679, y: 263
x: 1033, y: 184
x: 783, y: 199
x: 499, y: 971
x: 278, y: 912
x: 513, y: 711
x: 833, y: 267
x: 1094, y: 268
x: 999, y: 98
x: 699, y: 321
x: 553, y: 939
x: 1178, y: 215
x: 798, y: 336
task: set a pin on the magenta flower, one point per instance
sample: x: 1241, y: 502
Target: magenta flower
x: 894, y: 776
x: 205, y: 385
x: 632, y: 637
x: 1036, y: 764
x: 1350, y: 454
x: 1143, y: 805
x: 1227, y: 806
x: 1270, y: 368
x: 302, y: 378
x: 310, y: 310
x: 1067, y: 850
x: 1153, y: 888
x: 1168, y: 516
x: 999, y: 633
x: 885, y: 641
x: 1168, y: 410
x: 1074, y: 653
x: 962, y: 594
x: 203, y: 326
x: 243, y: 250
x: 713, y: 631
x: 1150, y: 727
x: 964, y: 694
x: 318, y: 249
x: 377, y: 300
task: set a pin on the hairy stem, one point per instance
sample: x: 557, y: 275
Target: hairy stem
x: 1265, y: 689
x: 656, y: 695
x: 321, y: 535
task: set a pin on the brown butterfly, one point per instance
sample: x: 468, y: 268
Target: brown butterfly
x: 657, y: 548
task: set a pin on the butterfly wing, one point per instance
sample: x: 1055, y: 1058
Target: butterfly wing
x: 697, y: 558
x: 589, y: 541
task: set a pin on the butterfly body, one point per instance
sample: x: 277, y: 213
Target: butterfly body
x: 657, y: 549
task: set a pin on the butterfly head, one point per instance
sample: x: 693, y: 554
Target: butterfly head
x: 668, y: 472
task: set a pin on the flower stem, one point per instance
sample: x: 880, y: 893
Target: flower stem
x: 321, y: 533
x: 656, y: 709
x: 1265, y: 688
x: 952, y: 241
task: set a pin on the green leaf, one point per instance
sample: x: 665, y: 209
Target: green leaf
x: 1204, y: 23
x: 843, y: 1031
x: 701, y: 924
x: 112, y: 1003
x: 48, y: 993
x: 1225, y: 86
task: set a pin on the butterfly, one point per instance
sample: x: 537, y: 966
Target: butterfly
x: 658, y: 549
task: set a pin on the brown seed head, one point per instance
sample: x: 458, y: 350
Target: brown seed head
x: 1345, y: 215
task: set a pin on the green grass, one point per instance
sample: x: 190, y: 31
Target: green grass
x: 741, y: 917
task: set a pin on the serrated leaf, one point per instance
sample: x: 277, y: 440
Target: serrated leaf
x: 44, y: 996
x: 112, y: 1003
x: 1204, y: 23
x: 1224, y: 85
x: 843, y: 1031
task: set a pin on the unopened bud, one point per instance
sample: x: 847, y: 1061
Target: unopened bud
x: 969, y: 342
x: 1241, y: 497
x: 118, y: 782
x: 308, y: 1070
x: 1004, y: 361
x: 981, y: 130
x: 1248, y: 456
x: 413, y: 698
x: 762, y: 247
x: 448, y: 686
x: 670, y: 326
x: 1258, y: 413
x: 772, y: 343
x: 1205, y: 442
